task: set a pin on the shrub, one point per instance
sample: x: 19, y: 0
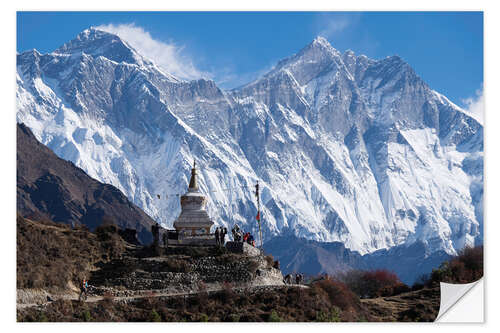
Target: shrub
x: 421, y: 282
x: 465, y: 268
x: 86, y: 316
x: 380, y: 282
x: 338, y: 293
x: 400, y: 288
x: 42, y: 317
x: 104, y: 231
x: 203, y: 317
x: 354, y: 280
x: 154, y: 316
x: 329, y: 316
x: 374, y: 283
x: 273, y: 317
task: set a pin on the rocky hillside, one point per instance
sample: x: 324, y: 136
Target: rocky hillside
x: 322, y: 303
x: 55, y: 189
x: 421, y: 305
x: 53, y: 256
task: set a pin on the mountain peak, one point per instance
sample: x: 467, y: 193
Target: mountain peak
x: 321, y: 41
x: 319, y: 47
x: 97, y: 42
x: 349, y: 52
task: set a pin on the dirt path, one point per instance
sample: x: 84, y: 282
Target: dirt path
x: 152, y: 293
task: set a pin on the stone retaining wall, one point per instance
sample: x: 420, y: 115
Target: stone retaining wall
x: 184, y: 273
x: 243, y: 248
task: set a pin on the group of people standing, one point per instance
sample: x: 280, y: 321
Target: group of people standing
x: 220, y: 236
x: 248, y: 237
x: 299, y: 279
x: 239, y: 236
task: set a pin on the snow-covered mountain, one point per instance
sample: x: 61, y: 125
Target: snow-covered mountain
x: 345, y: 148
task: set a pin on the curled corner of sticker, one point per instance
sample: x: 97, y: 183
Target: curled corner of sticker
x: 461, y: 303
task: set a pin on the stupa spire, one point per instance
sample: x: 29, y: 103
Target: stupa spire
x: 193, y: 184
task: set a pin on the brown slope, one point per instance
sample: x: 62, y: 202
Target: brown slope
x: 420, y: 305
x: 55, y: 256
x: 50, y: 187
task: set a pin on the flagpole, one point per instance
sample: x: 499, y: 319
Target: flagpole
x: 258, y: 213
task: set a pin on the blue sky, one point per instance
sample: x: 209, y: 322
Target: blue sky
x: 233, y: 48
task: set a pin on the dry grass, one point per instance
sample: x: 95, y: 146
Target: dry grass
x: 52, y: 255
x: 422, y: 305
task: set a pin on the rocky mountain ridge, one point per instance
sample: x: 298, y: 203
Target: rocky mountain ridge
x: 346, y: 148
x: 51, y: 188
x: 408, y: 262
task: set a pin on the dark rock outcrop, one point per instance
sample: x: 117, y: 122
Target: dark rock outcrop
x: 55, y: 189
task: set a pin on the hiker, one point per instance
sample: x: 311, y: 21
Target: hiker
x: 238, y: 236
x: 298, y: 278
x: 223, y: 236
x: 236, y: 233
x: 217, y: 236
x: 250, y: 240
x: 155, y: 230
x: 83, y: 289
x: 245, y: 237
x: 165, y: 238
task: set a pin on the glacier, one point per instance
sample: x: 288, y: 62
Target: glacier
x: 345, y: 148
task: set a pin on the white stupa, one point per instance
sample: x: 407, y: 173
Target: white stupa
x: 194, y: 219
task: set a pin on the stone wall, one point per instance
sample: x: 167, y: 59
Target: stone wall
x: 182, y: 273
x: 198, y: 240
x: 243, y: 248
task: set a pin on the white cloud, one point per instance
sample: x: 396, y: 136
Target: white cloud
x: 331, y: 24
x: 475, y: 105
x: 168, y: 56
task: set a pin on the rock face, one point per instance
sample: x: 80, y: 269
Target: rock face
x: 346, y: 148
x: 50, y: 187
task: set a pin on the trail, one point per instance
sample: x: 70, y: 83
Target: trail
x: 153, y: 293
